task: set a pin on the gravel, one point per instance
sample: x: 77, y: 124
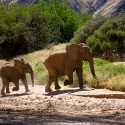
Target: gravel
x: 68, y: 106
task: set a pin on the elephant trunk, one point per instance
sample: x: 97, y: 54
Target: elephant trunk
x: 32, y: 77
x: 91, y: 63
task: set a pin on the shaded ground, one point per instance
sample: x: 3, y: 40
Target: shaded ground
x: 64, y: 107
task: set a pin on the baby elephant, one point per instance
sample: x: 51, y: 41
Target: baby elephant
x: 13, y: 73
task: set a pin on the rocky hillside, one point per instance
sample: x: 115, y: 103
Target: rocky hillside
x: 90, y: 6
x: 111, y: 7
x: 18, y: 1
x: 102, y: 7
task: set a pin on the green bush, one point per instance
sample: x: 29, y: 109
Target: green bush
x: 94, y: 43
x: 103, y: 34
x: 84, y: 32
x: 106, y: 46
x: 34, y: 26
x: 111, y: 35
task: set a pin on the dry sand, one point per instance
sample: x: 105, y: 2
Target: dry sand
x: 69, y: 106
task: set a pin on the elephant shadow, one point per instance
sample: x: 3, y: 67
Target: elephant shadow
x: 67, y: 91
x: 17, y: 94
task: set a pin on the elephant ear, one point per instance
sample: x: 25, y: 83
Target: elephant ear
x: 19, y: 65
x: 73, y: 51
x: 83, y: 49
x: 85, y: 52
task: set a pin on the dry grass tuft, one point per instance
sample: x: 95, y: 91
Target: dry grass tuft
x: 2, y: 62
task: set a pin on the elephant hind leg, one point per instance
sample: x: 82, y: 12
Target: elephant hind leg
x: 56, y: 84
x: 5, y: 81
x: 7, y: 88
x: 53, y: 74
x: 47, y: 87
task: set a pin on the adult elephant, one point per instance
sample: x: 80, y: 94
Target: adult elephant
x: 65, y: 63
x: 13, y: 73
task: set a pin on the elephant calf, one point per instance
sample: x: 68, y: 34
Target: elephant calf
x: 13, y: 73
x: 65, y: 63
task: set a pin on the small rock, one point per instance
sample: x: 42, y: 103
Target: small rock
x: 59, y: 98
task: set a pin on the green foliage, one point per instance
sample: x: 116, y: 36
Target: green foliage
x: 111, y: 35
x: 34, y: 26
x: 95, y: 42
x: 82, y: 34
x: 103, y: 34
x: 105, y: 68
x: 105, y: 46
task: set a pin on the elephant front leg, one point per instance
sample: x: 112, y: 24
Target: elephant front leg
x: 70, y: 77
x: 25, y: 84
x: 79, y: 73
